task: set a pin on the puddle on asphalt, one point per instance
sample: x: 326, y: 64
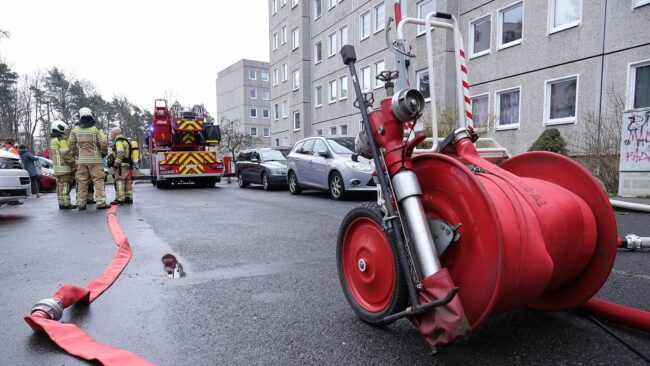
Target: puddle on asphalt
x: 172, y: 266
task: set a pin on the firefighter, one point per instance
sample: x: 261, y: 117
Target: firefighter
x: 88, y: 146
x: 64, y: 167
x: 122, y: 164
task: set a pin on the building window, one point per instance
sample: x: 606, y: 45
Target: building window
x: 296, y: 80
x: 266, y: 113
x: 253, y: 131
x: 295, y: 38
x: 365, y: 78
x: 425, y: 7
x: 285, y: 141
x: 480, y: 110
x: 378, y: 67
x: 274, y: 41
x: 479, y: 36
x: 639, y: 85
x: 332, y: 91
x: 317, y: 9
x: 253, y: 112
x: 343, y: 35
x: 285, y: 108
x: 277, y: 142
x: 331, y: 4
x: 276, y: 111
x: 563, y: 14
x: 333, y: 131
x: 343, y: 87
x: 276, y: 76
x: 296, y: 121
x: 344, y: 130
x: 265, y: 94
x: 294, y: 3
x: 507, y: 106
x: 638, y: 3
x: 318, y: 52
x: 285, y: 72
x: 283, y: 2
x: 511, y: 25
x: 404, y: 8
x: 252, y: 94
x: 252, y: 74
x: 560, y: 100
x: 274, y: 6
x: 332, y: 43
x: 266, y: 131
x: 318, y: 96
x: 319, y: 132
x: 379, y: 17
x: 364, y: 26
x: 422, y: 83
x: 283, y: 35
x: 265, y: 75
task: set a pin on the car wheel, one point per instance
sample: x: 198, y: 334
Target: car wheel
x: 240, y: 180
x: 294, y: 188
x: 337, y: 188
x: 265, y: 182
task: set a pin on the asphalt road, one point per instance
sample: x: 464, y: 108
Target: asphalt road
x: 261, y: 287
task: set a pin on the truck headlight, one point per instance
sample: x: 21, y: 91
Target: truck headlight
x: 354, y: 165
x: 5, y: 163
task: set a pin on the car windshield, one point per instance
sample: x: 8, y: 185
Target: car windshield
x: 272, y: 155
x: 342, y: 145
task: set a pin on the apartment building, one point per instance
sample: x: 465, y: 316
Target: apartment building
x: 559, y: 59
x: 243, y: 94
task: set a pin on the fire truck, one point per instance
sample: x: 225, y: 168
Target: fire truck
x: 182, y: 147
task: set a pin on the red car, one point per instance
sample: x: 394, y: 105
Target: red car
x: 46, y: 177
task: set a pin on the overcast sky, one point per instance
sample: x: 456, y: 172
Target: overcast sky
x: 142, y: 49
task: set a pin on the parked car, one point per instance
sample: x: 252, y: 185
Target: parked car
x: 267, y: 167
x: 285, y: 150
x: 14, y: 180
x: 46, y: 178
x: 326, y: 164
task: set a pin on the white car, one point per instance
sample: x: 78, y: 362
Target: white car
x: 14, y: 180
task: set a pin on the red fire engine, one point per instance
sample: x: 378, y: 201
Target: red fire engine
x: 179, y: 146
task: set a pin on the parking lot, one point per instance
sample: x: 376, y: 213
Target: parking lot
x: 260, y: 287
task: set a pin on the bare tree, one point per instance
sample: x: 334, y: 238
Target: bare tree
x: 598, y: 144
x: 233, y: 139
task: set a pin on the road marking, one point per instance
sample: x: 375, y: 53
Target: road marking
x: 630, y: 274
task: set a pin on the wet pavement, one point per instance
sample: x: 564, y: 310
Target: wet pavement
x: 260, y: 286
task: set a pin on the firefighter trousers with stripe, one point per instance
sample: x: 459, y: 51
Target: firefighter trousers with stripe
x: 123, y: 183
x: 63, y: 187
x: 85, y: 173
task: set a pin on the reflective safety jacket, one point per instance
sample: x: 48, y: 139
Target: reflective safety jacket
x: 61, y: 156
x: 122, y: 151
x: 88, y: 145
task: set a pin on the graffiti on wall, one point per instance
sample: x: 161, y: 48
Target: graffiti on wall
x: 635, y: 144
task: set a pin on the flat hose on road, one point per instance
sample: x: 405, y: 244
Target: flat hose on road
x: 68, y: 336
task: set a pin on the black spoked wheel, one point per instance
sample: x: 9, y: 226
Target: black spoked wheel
x: 369, y: 266
x: 240, y: 180
x: 294, y: 187
x: 265, y: 182
x: 337, y: 187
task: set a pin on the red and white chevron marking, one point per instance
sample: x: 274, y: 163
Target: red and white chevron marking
x: 464, y: 80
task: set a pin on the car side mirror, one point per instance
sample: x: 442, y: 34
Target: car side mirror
x: 323, y: 153
x: 254, y: 160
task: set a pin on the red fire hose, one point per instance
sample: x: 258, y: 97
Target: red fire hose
x: 630, y: 317
x: 47, y: 312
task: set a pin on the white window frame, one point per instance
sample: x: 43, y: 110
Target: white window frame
x: 276, y: 111
x: 252, y: 95
x: 285, y: 141
x: 274, y: 6
x: 294, y: 121
x: 363, y: 80
x: 638, y: 3
x: 332, y: 41
x: 268, y: 111
x: 294, y: 3
x: 276, y: 76
x: 285, y: 71
x: 418, y: 11
x: 320, y: 9
x: 501, y: 46
x: 274, y: 41
x: 347, y: 89
x: 318, y: 91
x: 331, y: 4
x: 283, y: 3
x: 497, y: 110
x: 251, y: 129
x: 547, y: 101
x: 336, y: 130
x: 551, y: 19
x: 283, y: 35
x: 250, y: 112
x: 341, y: 129
x: 254, y: 73
x: 470, y: 44
x: 268, y: 94
x: 295, y: 39
x: 376, y: 27
x: 376, y: 84
x: 361, y: 36
x: 285, y: 109
x: 262, y: 75
x: 631, y: 76
x: 472, y: 97
x: 316, y: 60
x: 417, y: 82
x: 295, y: 85
x: 330, y: 89
x: 345, y: 27
x: 266, y: 131
x: 404, y: 8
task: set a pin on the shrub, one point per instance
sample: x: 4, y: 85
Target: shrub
x: 550, y: 140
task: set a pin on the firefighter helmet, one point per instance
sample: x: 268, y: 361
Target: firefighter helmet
x: 86, y: 112
x: 59, y: 126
